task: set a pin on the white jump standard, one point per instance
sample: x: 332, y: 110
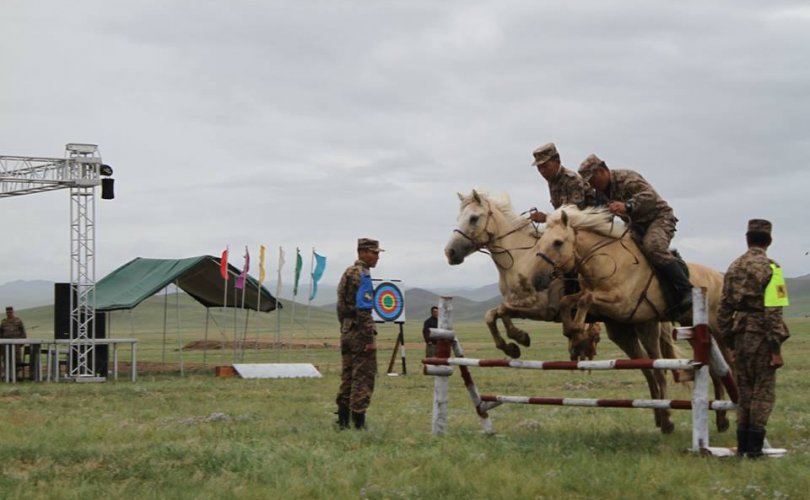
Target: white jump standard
x: 705, y: 351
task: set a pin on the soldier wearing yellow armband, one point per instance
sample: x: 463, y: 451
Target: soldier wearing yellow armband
x: 750, y: 320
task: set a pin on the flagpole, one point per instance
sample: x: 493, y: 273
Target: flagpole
x: 259, y: 286
x: 223, y: 269
x: 309, y: 292
x: 278, y: 310
x: 244, y: 336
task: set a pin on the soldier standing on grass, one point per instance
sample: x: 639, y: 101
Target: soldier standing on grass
x: 750, y: 319
x: 355, y: 300
x: 11, y: 327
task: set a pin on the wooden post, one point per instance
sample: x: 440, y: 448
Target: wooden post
x: 701, y: 344
x: 441, y: 381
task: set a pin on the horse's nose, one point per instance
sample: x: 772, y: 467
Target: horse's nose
x: 452, y: 258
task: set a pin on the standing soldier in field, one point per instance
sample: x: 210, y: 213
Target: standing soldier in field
x: 565, y: 186
x: 750, y: 320
x: 11, y: 327
x: 355, y: 300
x: 627, y: 193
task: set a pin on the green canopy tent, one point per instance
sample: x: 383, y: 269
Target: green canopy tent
x: 199, y: 277
x: 140, y: 278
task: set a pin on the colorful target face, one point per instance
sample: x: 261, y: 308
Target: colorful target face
x: 389, y: 304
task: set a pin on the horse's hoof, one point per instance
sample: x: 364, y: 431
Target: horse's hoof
x: 523, y: 339
x: 667, y: 428
x: 722, y: 424
x: 512, y: 350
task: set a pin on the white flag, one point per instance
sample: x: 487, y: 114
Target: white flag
x: 281, y: 262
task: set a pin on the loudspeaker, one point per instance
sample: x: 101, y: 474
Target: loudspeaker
x: 61, y: 326
x: 107, y: 188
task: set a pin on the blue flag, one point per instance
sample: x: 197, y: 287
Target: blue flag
x: 320, y: 267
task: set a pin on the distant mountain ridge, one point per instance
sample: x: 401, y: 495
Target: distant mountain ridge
x: 469, y: 303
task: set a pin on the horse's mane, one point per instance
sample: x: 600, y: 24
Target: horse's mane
x: 501, y: 201
x: 599, y: 220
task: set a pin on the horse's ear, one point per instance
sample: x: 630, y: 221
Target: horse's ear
x: 564, y: 218
x: 476, y: 196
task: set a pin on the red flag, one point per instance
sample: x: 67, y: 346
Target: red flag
x: 223, y: 264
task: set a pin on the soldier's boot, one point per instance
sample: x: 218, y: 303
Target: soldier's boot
x: 756, y: 437
x: 343, y: 417
x: 680, y: 283
x: 359, y: 420
x: 742, y: 440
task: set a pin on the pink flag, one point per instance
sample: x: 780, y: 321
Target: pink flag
x: 240, y: 280
x: 223, y: 264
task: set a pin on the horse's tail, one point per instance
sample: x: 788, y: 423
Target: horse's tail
x: 671, y: 351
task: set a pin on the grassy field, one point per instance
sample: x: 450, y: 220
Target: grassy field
x: 199, y: 436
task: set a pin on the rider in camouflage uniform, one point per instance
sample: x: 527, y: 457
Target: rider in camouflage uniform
x: 358, y: 350
x: 754, y: 329
x: 564, y: 186
x: 627, y: 193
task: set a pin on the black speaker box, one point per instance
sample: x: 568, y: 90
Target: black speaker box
x: 61, y: 326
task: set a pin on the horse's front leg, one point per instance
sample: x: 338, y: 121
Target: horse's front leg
x: 576, y: 325
x: 490, y: 318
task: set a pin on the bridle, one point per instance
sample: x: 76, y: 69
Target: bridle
x: 491, y: 246
x: 579, y: 261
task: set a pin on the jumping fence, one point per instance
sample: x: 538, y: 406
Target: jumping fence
x: 705, y: 354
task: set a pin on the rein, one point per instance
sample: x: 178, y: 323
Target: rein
x: 492, y: 249
x: 592, y: 252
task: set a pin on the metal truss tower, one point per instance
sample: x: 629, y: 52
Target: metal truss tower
x: 80, y: 172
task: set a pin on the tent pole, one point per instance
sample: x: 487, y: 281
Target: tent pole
x: 205, y: 344
x: 179, y: 333
x: 235, y: 327
x: 165, y: 321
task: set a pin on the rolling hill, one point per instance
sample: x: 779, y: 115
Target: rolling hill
x: 469, y: 304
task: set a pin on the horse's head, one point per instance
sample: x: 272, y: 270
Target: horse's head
x: 555, y: 250
x: 471, y: 233
x: 582, y: 343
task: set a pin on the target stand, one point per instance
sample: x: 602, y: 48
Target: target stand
x: 389, y: 307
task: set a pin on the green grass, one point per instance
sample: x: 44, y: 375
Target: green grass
x: 205, y: 437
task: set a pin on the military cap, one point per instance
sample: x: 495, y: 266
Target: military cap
x: 545, y: 153
x: 588, y: 166
x: 369, y: 244
x: 759, y: 226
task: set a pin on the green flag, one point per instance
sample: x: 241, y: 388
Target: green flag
x: 298, y: 265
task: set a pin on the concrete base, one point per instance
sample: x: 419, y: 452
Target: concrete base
x: 277, y: 370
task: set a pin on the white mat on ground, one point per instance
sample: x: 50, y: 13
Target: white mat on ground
x: 277, y: 370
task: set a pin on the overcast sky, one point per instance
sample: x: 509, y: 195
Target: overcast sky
x: 311, y: 123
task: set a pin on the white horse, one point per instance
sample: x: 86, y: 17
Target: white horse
x: 489, y: 223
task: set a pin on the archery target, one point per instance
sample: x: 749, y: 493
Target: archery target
x: 389, y: 303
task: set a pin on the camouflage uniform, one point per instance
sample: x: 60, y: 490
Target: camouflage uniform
x: 12, y: 328
x: 652, y: 221
x: 754, y: 332
x: 652, y: 217
x: 357, y: 348
x: 568, y: 188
